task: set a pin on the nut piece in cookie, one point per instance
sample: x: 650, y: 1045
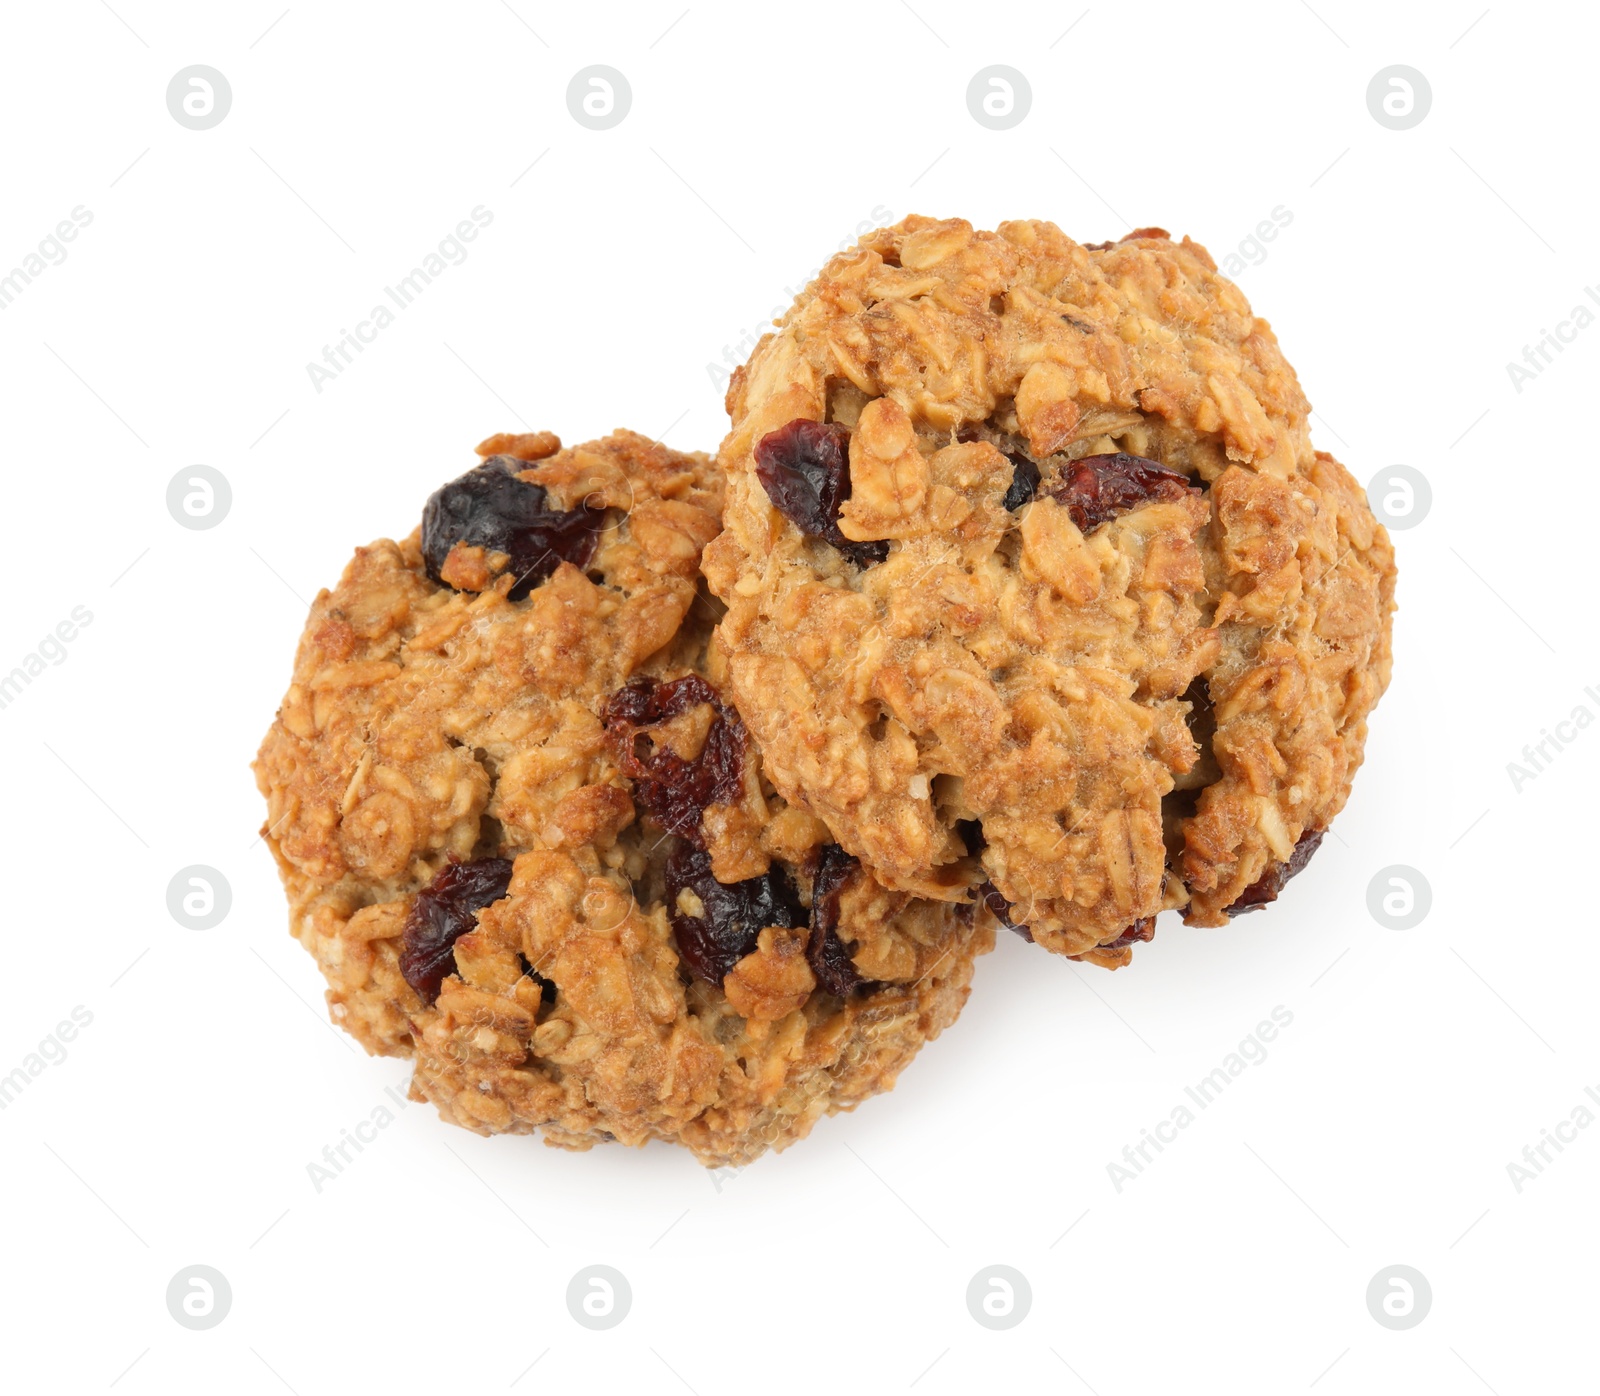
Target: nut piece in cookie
x: 1115, y: 644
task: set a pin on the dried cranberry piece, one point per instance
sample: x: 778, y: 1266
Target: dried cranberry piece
x: 489, y: 507
x: 1097, y: 489
x: 675, y: 792
x: 825, y: 952
x: 735, y: 913
x: 1265, y: 888
x: 805, y: 470
x: 645, y: 701
x: 993, y: 898
x: 444, y: 911
x: 1024, y: 481
x: 1142, y: 929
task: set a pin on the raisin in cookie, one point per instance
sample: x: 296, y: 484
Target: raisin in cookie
x: 1038, y: 594
x: 530, y: 845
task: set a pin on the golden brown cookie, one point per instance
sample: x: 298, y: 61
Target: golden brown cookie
x: 1038, y: 593
x: 530, y: 844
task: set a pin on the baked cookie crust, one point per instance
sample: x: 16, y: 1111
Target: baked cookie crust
x: 1008, y: 659
x: 465, y: 802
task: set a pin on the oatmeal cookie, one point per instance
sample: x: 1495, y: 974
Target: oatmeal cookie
x: 1038, y: 594
x: 530, y: 845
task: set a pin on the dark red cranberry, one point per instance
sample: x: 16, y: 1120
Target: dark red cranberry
x: 489, y: 507
x: 825, y: 952
x: 444, y: 911
x: 1265, y: 888
x: 673, y: 791
x: 805, y: 470
x: 735, y: 913
x: 646, y: 702
x: 1097, y: 489
x: 1142, y: 929
x: 992, y: 897
x: 1024, y: 481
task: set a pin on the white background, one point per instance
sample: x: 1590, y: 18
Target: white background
x: 616, y: 270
